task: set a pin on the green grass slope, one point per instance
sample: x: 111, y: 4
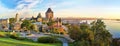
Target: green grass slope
x: 13, y: 42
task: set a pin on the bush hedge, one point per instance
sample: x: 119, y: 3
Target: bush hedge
x: 48, y: 40
x: 2, y: 35
x: 14, y: 35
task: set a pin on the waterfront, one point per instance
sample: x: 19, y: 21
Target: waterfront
x: 113, y: 27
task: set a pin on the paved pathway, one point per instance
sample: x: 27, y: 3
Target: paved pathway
x: 64, y: 41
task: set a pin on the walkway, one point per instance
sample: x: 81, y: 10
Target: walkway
x: 64, y: 41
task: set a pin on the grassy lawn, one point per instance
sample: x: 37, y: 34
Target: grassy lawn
x: 13, y: 42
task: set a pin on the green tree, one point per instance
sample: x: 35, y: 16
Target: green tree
x: 12, y: 21
x: 87, y: 34
x: 34, y: 27
x: 75, y: 32
x: 82, y: 35
x: 84, y: 26
x: 50, y: 23
x: 102, y: 37
x: 94, y: 34
x: 27, y: 24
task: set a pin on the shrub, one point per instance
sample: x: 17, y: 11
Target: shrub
x: 25, y: 39
x: 2, y: 35
x: 20, y: 38
x: 48, y: 40
x: 81, y: 43
x: 14, y: 35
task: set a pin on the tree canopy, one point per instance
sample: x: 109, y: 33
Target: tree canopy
x: 94, y: 34
x: 27, y: 24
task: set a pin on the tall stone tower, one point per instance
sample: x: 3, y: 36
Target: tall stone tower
x: 8, y: 23
x: 49, y: 14
x: 17, y: 17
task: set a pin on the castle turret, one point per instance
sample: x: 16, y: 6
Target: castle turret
x: 8, y: 23
x: 32, y: 18
x: 49, y: 14
x: 39, y: 17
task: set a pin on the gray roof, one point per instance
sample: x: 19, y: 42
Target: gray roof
x: 49, y: 10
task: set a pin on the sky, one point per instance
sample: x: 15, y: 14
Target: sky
x: 61, y: 8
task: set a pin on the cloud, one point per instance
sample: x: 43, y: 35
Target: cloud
x: 62, y: 8
x: 24, y: 7
x: 60, y: 4
x: 27, y: 4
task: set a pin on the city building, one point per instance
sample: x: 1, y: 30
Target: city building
x: 38, y: 22
x: 41, y: 24
x: 38, y: 18
x: 4, y: 24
